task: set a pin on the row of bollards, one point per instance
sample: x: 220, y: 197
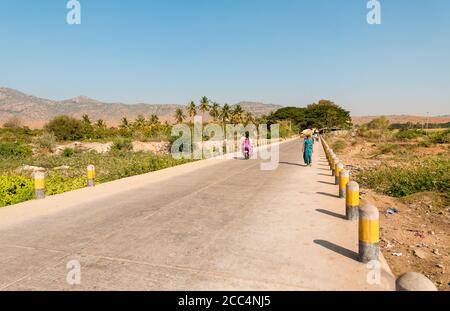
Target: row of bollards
x: 369, y: 224
x: 39, y: 181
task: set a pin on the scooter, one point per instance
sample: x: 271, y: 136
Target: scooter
x: 246, y: 154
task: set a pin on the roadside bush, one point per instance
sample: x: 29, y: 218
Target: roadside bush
x: 57, y: 183
x: 14, y: 149
x: 425, y: 144
x: 442, y: 137
x: 386, y: 148
x: 47, y: 141
x: 68, y: 152
x: 339, y: 145
x: 409, y: 134
x: 122, y: 144
x: 430, y: 174
x: 65, y: 128
x: 15, y: 189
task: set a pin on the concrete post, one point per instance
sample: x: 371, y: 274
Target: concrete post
x: 369, y: 233
x: 335, y: 161
x: 344, y: 178
x: 39, y: 185
x: 414, y: 282
x: 91, y: 176
x: 352, y: 201
x: 339, y: 168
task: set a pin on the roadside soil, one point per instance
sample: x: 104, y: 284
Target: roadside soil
x: 417, y: 236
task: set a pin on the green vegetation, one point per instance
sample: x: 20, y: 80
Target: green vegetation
x: 442, y: 137
x: 122, y: 144
x: 324, y: 114
x: 14, y: 149
x: 339, y: 145
x: 109, y: 167
x: 15, y: 189
x: 429, y: 174
x: 68, y: 152
x: 65, y: 128
x: 406, y: 134
x: 47, y: 141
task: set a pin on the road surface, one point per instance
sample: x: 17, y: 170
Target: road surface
x: 210, y: 225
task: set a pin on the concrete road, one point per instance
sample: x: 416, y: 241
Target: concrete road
x: 210, y: 225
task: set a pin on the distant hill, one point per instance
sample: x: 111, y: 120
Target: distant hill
x: 401, y: 119
x: 35, y: 112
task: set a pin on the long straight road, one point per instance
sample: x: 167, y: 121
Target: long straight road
x: 210, y: 225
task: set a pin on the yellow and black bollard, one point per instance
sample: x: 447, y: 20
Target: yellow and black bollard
x: 91, y: 176
x: 369, y: 233
x: 39, y: 185
x: 352, y: 201
x: 337, y: 171
x: 344, y: 178
x: 334, y: 162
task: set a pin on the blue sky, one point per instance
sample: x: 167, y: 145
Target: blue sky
x: 289, y: 52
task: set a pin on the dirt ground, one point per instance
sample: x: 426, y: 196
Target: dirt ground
x: 415, y: 237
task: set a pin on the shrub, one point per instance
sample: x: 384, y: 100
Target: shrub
x: 122, y: 144
x: 339, y: 145
x: 68, y: 152
x: 409, y: 134
x: 14, y: 149
x: 442, y: 137
x: 429, y: 174
x: 47, y: 141
x: 65, y: 128
x: 386, y: 148
x: 57, y: 183
x: 15, y: 189
x: 425, y: 144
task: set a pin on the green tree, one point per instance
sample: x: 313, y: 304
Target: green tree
x: 87, y: 126
x: 192, y: 110
x: 65, y: 128
x: 236, y: 115
x: 215, y: 111
x: 225, y: 114
x: 154, y: 120
x: 204, y: 105
x: 179, y: 115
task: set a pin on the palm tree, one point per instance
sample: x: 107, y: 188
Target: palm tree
x: 248, y: 118
x: 86, y: 119
x: 204, y: 105
x: 179, y: 115
x: 215, y: 111
x: 225, y: 114
x: 236, y: 115
x: 192, y: 110
x: 154, y: 119
x: 124, y: 123
x: 140, y: 122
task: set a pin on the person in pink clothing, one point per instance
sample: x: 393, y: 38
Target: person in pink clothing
x: 247, y: 146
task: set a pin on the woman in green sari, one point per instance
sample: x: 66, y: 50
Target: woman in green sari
x: 308, y: 144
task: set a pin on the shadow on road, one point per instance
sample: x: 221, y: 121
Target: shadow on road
x: 338, y: 249
x: 328, y: 175
x: 326, y: 182
x: 328, y: 194
x: 323, y: 169
x: 295, y: 164
x: 330, y: 213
